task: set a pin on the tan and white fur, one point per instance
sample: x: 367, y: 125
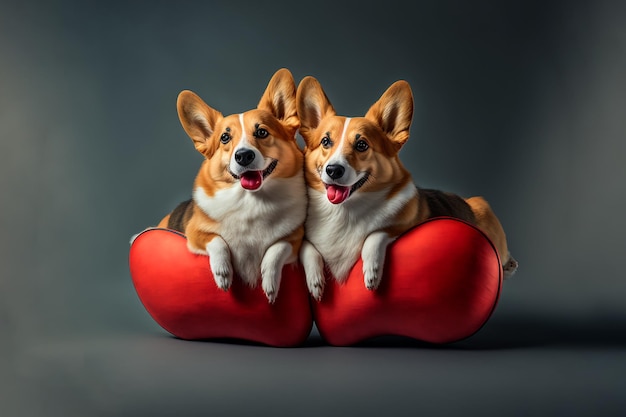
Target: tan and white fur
x: 249, y: 198
x: 361, y: 197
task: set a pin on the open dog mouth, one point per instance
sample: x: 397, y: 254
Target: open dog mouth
x: 252, y: 180
x: 337, y: 194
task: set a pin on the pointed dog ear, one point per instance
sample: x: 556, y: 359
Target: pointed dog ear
x: 313, y: 105
x: 279, y: 99
x: 198, y: 120
x: 393, y: 112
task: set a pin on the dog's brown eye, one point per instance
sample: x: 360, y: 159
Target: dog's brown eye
x: 361, y: 146
x: 225, y: 138
x: 261, y: 133
x: 326, y: 142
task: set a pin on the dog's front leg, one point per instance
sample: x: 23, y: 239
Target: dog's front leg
x: 219, y: 260
x: 272, y: 267
x: 313, y: 269
x: 373, y: 255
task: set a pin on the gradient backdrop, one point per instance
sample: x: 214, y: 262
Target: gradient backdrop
x: 523, y: 102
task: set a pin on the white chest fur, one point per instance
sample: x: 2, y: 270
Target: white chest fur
x: 338, y: 231
x: 249, y: 222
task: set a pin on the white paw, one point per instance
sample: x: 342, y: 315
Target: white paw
x: 510, y: 267
x: 315, y: 283
x: 133, y: 237
x: 372, y: 275
x: 373, y: 255
x: 219, y: 260
x: 313, y: 269
x: 270, y: 287
x: 272, y: 268
x: 223, y: 274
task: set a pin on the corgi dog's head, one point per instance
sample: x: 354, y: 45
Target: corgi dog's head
x: 349, y: 156
x: 249, y: 148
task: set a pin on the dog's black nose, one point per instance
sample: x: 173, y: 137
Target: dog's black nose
x: 244, y: 157
x: 335, y: 171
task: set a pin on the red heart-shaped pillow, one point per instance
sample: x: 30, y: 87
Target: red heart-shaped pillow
x: 441, y: 283
x: 178, y: 290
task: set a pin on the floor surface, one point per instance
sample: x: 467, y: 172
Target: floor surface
x: 515, y: 366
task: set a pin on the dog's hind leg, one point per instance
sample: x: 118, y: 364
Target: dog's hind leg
x: 487, y: 221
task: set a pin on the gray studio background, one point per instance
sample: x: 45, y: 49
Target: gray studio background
x: 523, y: 102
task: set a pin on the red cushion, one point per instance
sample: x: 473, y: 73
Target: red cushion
x: 178, y: 290
x: 441, y: 283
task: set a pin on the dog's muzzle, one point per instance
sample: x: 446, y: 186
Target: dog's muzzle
x: 244, y: 157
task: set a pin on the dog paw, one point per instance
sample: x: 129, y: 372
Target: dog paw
x: 223, y: 275
x: 313, y: 269
x: 270, y: 288
x: 133, y: 237
x: 219, y: 261
x: 270, y: 281
x: 372, y: 275
x: 509, y: 268
x: 316, y: 286
x: 373, y: 255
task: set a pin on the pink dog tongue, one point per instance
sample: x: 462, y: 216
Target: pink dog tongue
x: 251, y: 180
x: 337, y: 194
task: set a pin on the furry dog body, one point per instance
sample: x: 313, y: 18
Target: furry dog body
x: 249, y: 198
x: 361, y: 197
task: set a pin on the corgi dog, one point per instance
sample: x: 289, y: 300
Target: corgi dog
x: 361, y: 197
x: 249, y: 198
